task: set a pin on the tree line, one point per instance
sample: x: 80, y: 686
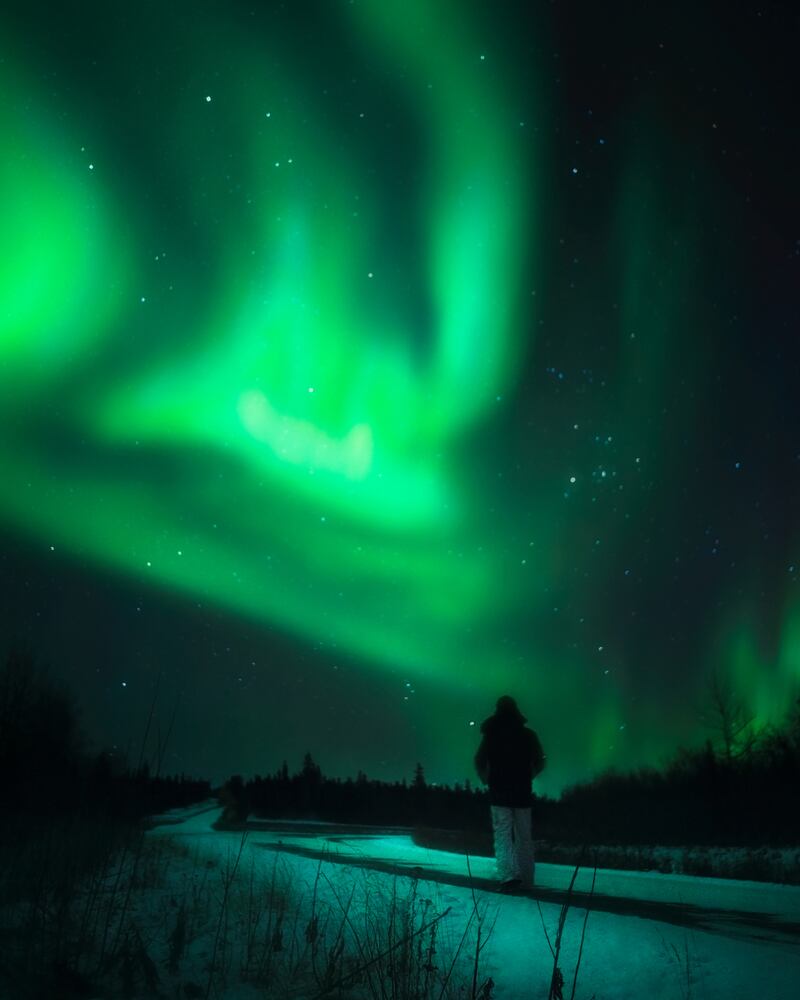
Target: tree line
x: 309, y: 794
x: 740, y: 791
x: 741, y: 788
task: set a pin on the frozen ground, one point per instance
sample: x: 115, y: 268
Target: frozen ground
x: 647, y: 934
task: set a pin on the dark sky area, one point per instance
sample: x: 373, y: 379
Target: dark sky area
x: 361, y: 362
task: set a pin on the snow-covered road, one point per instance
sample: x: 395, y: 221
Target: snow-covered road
x: 648, y: 934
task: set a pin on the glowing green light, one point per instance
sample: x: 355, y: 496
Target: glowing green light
x: 288, y: 439
x: 60, y: 271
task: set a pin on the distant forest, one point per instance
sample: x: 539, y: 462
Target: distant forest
x: 742, y: 787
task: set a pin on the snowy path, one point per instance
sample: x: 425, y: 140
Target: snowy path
x: 648, y: 934
x: 739, y: 909
x: 720, y: 920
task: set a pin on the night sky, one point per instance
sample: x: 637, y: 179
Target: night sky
x: 363, y: 361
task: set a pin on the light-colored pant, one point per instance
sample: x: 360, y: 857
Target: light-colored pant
x: 513, y: 844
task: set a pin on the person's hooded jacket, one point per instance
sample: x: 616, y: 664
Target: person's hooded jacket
x: 509, y: 757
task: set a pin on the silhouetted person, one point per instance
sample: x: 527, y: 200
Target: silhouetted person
x: 508, y: 759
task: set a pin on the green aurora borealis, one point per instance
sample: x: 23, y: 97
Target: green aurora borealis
x: 302, y: 322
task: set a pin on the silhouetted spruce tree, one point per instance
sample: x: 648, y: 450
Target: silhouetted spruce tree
x: 310, y: 781
x: 311, y: 771
x: 419, y: 795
